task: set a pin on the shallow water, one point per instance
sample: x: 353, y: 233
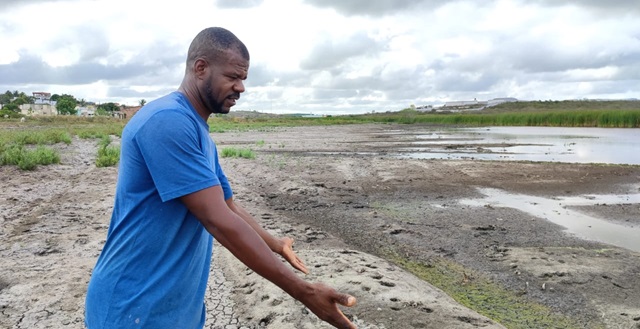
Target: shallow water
x: 554, y: 210
x: 548, y: 144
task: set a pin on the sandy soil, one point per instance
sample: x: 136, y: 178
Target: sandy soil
x: 349, y: 204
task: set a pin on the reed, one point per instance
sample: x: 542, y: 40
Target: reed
x: 584, y: 118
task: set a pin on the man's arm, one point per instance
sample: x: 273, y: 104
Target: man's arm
x: 283, y: 247
x: 244, y: 243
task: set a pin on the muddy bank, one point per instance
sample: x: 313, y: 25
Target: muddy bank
x: 356, y: 212
x: 346, y: 181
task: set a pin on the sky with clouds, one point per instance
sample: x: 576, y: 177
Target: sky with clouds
x: 329, y: 56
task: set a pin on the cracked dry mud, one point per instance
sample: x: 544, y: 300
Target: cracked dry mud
x: 344, y: 199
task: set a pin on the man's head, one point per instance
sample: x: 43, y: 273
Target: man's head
x: 217, y: 64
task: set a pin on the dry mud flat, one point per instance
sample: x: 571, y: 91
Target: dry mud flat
x: 348, y: 204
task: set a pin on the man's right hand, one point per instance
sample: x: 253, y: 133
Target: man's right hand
x: 323, y: 301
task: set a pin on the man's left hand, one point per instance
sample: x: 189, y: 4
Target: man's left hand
x: 290, y: 256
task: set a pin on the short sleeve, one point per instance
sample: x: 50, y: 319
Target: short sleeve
x: 178, y: 162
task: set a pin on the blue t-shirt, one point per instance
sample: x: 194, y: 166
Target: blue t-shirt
x: 153, y: 269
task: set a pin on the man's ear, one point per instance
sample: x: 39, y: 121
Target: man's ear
x: 200, y: 67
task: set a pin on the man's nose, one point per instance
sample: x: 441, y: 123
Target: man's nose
x: 238, y: 87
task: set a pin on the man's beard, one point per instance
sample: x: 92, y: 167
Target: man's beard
x: 214, y: 105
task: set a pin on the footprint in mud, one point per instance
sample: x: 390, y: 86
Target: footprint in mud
x: 473, y: 321
x: 246, y: 288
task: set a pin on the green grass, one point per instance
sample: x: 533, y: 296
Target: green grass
x: 573, y: 118
x: 508, y: 308
x: 232, y: 152
x: 27, y: 159
x: 42, y: 131
x: 36, y: 137
x: 625, y: 117
x: 221, y: 124
x: 107, y: 155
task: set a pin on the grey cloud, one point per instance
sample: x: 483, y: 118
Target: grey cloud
x: 461, y: 82
x: 386, y: 7
x: 538, y: 57
x: 608, y: 6
x: 332, y: 94
x: 126, y: 92
x: 225, y: 4
x: 329, y: 54
x: 375, y: 7
x: 17, y: 3
x: 31, y: 69
x: 92, y: 42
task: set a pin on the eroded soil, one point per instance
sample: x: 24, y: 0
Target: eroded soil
x: 345, y: 180
x: 350, y: 204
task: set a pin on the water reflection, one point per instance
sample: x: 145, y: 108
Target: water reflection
x: 575, y: 222
x: 572, y: 145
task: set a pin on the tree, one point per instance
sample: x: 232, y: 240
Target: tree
x: 11, y: 107
x: 109, y: 107
x: 142, y: 102
x: 66, y: 104
x: 6, y: 97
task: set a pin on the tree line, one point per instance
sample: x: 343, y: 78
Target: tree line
x: 65, y: 103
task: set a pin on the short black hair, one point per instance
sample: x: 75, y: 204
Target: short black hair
x: 211, y: 42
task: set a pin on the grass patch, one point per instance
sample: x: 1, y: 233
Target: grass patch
x: 27, y: 159
x: 107, y: 155
x: 488, y: 298
x: 573, y: 116
x: 565, y: 118
x: 232, y: 152
x: 36, y: 137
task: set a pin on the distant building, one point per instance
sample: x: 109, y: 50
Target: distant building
x: 42, y: 105
x: 40, y: 97
x: 86, y: 111
x: 38, y: 109
x: 127, y: 112
x: 424, y: 108
x: 465, y: 105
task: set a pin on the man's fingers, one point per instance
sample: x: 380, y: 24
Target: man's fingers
x: 346, y: 300
x: 299, y: 265
x: 303, y: 268
x: 344, y: 323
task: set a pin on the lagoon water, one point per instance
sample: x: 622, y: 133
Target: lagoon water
x: 544, y: 144
x: 556, y: 210
x: 549, y: 144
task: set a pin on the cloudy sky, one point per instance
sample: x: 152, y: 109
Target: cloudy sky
x: 329, y: 56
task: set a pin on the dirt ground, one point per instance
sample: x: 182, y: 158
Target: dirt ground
x: 349, y: 204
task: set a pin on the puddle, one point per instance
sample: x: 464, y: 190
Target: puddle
x: 579, y: 224
x: 549, y: 144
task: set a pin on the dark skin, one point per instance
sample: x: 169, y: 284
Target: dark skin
x: 214, y: 88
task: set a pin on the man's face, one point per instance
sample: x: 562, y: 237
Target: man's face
x: 223, y: 85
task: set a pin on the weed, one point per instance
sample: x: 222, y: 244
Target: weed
x: 27, y: 159
x: 231, y: 152
x: 107, y: 155
x: 486, y: 297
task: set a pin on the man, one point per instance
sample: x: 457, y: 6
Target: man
x: 172, y: 196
